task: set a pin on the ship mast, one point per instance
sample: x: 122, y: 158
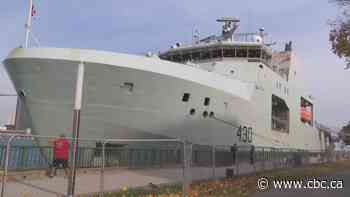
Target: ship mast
x: 29, y: 23
x: 229, y: 27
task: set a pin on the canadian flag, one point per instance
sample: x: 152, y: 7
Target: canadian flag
x: 33, y: 11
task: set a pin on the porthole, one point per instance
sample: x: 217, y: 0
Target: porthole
x: 186, y: 97
x: 211, y: 115
x: 127, y: 87
x: 192, y: 112
x: 205, y: 114
x: 206, y: 101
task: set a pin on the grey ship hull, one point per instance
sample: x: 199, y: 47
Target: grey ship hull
x: 152, y: 109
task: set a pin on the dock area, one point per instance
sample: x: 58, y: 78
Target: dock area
x: 88, y: 182
x: 115, y: 168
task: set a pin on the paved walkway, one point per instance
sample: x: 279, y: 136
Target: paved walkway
x: 114, y: 180
x: 345, y: 192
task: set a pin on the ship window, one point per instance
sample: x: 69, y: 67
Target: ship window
x: 268, y: 58
x: 254, y: 53
x: 229, y: 53
x: 242, y: 52
x: 279, y: 115
x: 192, y: 111
x: 205, y: 55
x: 211, y: 115
x: 187, y: 57
x: 206, y: 101
x: 127, y: 87
x: 164, y: 57
x: 205, y: 114
x: 217, y: 53
x: 278, y: 85
x: 196, y: 55
x: 177, y: 58
x: 186, y: 97
x: 263, y: 54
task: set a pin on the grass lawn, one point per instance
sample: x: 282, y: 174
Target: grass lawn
x: 237, y: 187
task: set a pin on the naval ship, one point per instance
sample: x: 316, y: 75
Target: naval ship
x: 225, y: 89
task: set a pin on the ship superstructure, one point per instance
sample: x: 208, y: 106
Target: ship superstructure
x: 222, y: 90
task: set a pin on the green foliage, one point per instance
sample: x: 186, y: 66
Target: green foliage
x: 340, y: 33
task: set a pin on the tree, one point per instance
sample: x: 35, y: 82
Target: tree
x: 345, y: 133
x: 340, y: 33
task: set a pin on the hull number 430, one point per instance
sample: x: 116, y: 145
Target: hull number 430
x: 245, y: 134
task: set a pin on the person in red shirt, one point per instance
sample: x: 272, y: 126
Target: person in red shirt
x: 60, y: 155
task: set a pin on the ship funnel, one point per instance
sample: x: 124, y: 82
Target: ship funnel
x: 229, y: 27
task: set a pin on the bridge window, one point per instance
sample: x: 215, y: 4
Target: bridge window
x: 196, y: 55
x: 254, y: 53
x: 187, y: 57
x: 242, y: 52
x: 268, y: 58
x: 217, y: 53
x: 280, y: 115
x: 177, y: 58
x: 229, y: 53
x: 205, y: 55
x: 263, y: 54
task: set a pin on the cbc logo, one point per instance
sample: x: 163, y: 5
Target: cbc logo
x: 263, y: 184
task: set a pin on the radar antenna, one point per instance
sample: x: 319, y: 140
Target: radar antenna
x: 229, y: 27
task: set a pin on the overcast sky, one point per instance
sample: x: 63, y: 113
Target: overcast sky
x: 138, y: 26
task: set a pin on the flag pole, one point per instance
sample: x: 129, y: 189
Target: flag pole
x: 29, y: 23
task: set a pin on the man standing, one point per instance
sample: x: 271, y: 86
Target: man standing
x: 60, y: 155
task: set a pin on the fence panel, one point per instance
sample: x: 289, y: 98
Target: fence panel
x: 106, y: 166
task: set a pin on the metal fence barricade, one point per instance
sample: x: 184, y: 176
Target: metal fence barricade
x: 148, y: 167
x: 135, y: 165
x: 146, y: 164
